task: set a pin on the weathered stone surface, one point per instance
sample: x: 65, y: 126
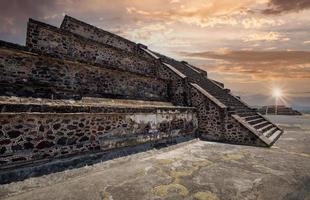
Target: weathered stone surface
x: 83, y: 50
x: 91, y: 32
x: 14, y: 133
x: 44, y: 144
x: 64, y: 79
x: 28, y: 145
x: 2, y: 150
x: 46, y: 137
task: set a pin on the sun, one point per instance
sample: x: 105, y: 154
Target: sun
x: 277, y: 92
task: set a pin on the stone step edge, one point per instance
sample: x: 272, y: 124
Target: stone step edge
x: 275, y: 136
x: 85, y: 101
x: 45, y: 108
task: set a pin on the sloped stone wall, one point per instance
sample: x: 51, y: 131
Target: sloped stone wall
x: 177, y: 85
x: 210, y: 117
x: 29, y: 137
x: 99, y: 35
x: 63, y: 44
x: 28, y: 74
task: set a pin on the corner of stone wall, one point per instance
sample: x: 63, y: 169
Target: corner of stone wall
x: 211, y: 118
x: 31, y: 29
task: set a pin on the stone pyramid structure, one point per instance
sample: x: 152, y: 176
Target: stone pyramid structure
x: 78, y: 90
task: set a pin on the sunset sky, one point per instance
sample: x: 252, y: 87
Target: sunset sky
x: 252, y: 46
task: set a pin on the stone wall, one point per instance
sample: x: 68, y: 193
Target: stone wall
x: 29, y: 74
x: 178, y: 86
x: 29, y: 137
x: 64, y: 44
x: 99, y: 35
x: 210, y: 117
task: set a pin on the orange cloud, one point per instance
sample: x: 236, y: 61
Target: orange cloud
x: 199, y: 12
x: 266, y: 36
x: 258, y: 65
x: 259, y: 22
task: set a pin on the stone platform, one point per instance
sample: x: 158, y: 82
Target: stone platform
x: 190, y: 170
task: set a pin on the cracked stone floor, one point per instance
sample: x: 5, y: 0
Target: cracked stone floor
x: 191, y: 170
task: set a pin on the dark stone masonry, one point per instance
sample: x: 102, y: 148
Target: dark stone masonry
x: 81, y: 91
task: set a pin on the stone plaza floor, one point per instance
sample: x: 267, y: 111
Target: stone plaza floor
x: 190, y: 170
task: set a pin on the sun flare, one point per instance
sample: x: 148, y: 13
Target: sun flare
x: 277, y: 92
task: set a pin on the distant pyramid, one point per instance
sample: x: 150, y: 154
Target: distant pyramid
x: 278, y: 110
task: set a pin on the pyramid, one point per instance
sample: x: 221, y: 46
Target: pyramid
x: 79, y: 90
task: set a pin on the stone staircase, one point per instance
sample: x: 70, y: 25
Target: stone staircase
x: 192, y: 79
x: 249, y: 117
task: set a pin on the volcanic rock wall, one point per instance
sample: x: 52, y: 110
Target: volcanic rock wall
x: 28, y: 137
x: 29, y: 74
x: 64, y: 44
x: 94, y: 33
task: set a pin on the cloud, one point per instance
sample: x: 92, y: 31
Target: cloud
x: 258, y: 65
x: 284, y: 6
x: 7, y: 25
x: 266, y: 36
x: 14, y: 13
x: 147, y: 31
x: 199, y: 12
x: 175, y: 1
x: 255, y: 22
x: 203, y: 14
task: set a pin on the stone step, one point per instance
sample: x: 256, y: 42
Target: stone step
x: 252, y: 117
x: 242, y: 110
x: 269, y: 132
x: 85, y: 105
x: 255, y: 121
x: 265, y: 128
x: 275, y: 135
x: 261, y: 124
x: 246, y: 114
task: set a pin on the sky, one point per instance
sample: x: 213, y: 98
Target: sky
x: 252, y: 46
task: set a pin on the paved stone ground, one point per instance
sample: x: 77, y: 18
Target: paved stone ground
x: 190, y: 170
